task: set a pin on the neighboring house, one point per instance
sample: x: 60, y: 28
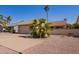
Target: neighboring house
x: 1, y: 28
x: 58, y: 25
x: 23, y: 27
x: 77, y: 22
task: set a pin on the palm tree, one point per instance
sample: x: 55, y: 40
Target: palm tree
x: 8, y: 19
x: 1, y: 17
x: 5, y: 20
x: 46, y: 8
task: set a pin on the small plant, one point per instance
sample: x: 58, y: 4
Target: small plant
x: 12, y: 31
x: 73, y: 26
x: 39, y: 28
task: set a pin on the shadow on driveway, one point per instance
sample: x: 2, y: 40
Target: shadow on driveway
x: 26, y: 36
x: 29, y: 36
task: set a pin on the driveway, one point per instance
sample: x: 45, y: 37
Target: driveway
x: 56, y: 44
x: 18, y: 42
x: 15, y: 43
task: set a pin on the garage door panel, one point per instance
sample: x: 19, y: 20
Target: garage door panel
x: 24, y: 29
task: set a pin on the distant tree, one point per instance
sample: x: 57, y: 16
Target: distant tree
x: 73, y: 26
x: 76, y: 25
x: 46, y: 8
x: 1, y: 17
x: 8, y: 19
x: 5, y: 21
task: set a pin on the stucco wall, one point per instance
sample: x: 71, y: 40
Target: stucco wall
x: 74, y: 32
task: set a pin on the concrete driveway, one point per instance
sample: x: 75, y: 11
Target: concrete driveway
x: 15, y: 43
x: 56, y: 44
x: 18, y: 42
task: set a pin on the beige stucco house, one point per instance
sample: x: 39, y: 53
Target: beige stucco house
x: 77, y: 22
x: 23, y: 27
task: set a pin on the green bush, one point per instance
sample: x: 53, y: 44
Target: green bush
x: 73, y: 26
x: 12, y: 31
x: 39, y: 29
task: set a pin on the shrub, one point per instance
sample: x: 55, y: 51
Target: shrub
x: 73, y: 26
x: 12, y: 31
x: 39, y: 29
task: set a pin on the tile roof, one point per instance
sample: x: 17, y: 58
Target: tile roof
x: 24, y: 23
x: 58, y: 23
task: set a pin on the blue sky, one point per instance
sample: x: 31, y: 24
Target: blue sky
x: 29, y: 12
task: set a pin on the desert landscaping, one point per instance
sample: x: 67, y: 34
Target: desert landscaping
x: 38, y: 35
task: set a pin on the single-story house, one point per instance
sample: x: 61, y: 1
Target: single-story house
x: 58, y: 25
x: 77, y: 22
x: 23, y: 27
x: 1, y: 26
